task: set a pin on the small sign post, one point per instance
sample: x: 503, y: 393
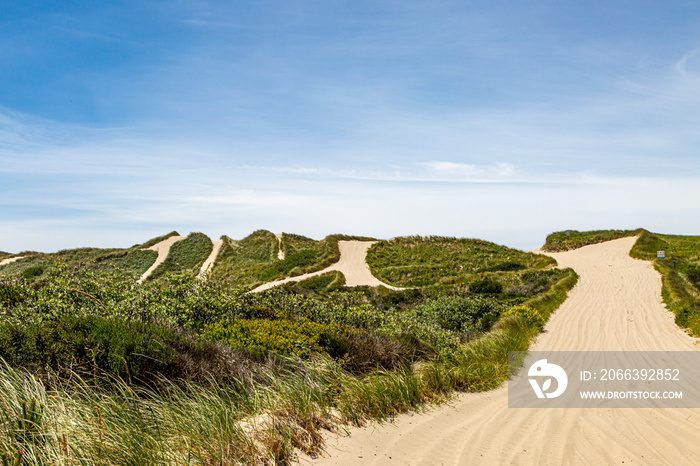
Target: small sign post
x: 660, y: 254
x: 568, y: 233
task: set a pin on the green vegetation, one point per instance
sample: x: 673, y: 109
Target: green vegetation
x: 240, y: 263
x: 135, y: 351
x: 175, y: 370
x: 325, y: 283
x: 558, y: 241
x: 680, y: 272
x: 254, y: 259
x: 436, y: 261
x: 134, y: 261
x: 307, y: 255
x: 185, y: 255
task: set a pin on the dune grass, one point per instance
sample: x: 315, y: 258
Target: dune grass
x: 186, y: 255
x: 559, y: 241
x: 253, y: 260
x: 240, y: 263
x: 435, y: 261
x: 134, y: 261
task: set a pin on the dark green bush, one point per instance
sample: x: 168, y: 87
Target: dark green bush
x: 461, y: 314
x: 11, y: 293
x: 486, y: 285
x: 692, y: 272
x: 32, y: 272
x: 507, y: 266
x: 135, y: 351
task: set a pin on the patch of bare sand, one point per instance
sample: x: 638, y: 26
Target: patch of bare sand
x: 352, y: 264
x: 209, y: 263
x: 162, y: 248
x: 10, y: 260
x: 616, y: 305
x: 280, y: 252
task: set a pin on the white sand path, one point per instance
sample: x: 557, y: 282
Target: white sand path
x: 280, y: 252
x: 616, y: 305
x: 10, y: 260
x: 162, y: 248
x: 352, y: 264
x: 209, y: 263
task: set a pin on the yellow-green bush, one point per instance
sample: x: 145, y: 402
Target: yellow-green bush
x: 280, y: 336
x: 531, y: 315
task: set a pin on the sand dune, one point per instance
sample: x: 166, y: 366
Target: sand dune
x: 162, y: 248
x: 352, y: 264
x: 615, y: 306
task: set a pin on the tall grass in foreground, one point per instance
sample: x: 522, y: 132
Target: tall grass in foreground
x: 77, y: 422
x: 277, y: 410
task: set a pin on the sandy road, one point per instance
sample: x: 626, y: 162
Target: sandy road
x: 615, y: 306
x: 352, y: 264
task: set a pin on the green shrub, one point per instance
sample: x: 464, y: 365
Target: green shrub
x: 135, y: 351
x: 301, y: 338
x: 486, y: 285
x: 461, y: 314
x: 32, y: 272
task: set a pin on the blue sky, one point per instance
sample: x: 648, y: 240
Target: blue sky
x: 491, y: 119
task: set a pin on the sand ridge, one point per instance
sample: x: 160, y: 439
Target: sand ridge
x: 162, y: 248
x: 352, y: 264
x: 616, y: 305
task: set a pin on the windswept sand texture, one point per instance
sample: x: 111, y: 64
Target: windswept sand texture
x: 162, y: 248
x: 209, y: 263
x: 616, y: 305
x: 352, y: 264
x: 10, y: 260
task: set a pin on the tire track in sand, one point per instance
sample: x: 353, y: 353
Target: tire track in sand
x: 616, y: 305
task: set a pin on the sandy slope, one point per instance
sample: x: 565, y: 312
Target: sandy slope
x: 209, y: 263
x: 10, y: 260
x: 352, y: 264
x: 615, y: 306
x: 162, y: 248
